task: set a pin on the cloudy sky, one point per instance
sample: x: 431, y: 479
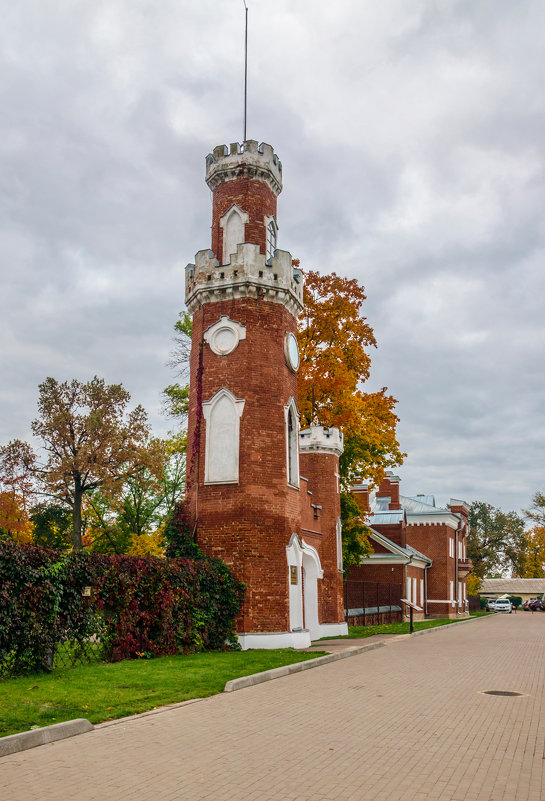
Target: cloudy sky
x: 412, y: 139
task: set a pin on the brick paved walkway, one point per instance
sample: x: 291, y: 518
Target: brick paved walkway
x: 406, y: 722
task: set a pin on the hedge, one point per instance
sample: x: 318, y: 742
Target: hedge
x: 138, y: 606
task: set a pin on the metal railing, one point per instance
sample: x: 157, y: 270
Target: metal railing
x: 370, y: 603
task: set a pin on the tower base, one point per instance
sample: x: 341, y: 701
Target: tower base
x: 290, y: 639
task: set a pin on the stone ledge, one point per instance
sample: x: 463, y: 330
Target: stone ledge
x: 48, y: 734
x: 287, y: 670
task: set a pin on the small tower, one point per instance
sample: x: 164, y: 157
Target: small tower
x: 243, y: 484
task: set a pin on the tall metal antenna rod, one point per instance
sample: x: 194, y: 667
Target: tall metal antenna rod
x: 245, y: 70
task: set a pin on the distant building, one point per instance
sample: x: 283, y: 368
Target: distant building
x: 418, y: 547
x: 524, y: 588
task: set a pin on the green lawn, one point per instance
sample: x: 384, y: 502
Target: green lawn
x: 359, y: 632
x: 106, y: 691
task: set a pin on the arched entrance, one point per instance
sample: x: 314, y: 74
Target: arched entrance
x: 304, y: 571
x: 312, y: 571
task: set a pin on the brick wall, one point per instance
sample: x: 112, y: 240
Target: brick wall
x: 252, y: 196
x: 320, y: 469
x: 248, y: 524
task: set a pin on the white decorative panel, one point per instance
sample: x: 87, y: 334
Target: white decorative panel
x: 222, y: 416
x: 232, y: 222
x: 224, y: 336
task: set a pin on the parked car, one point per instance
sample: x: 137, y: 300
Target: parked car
x: 502, y: 605
x: 531, y: 605
x: 490, y: 604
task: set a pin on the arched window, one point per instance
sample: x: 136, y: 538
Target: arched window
x: 292, y: 443
x: 233, y: 224
x: 271, y: 239
x: 222, y: 415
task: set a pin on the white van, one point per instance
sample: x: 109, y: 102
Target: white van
x: 502, y: 605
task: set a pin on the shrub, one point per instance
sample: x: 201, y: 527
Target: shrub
x: 140, y: 606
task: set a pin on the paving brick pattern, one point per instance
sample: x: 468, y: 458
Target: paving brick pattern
x: 407, y: 722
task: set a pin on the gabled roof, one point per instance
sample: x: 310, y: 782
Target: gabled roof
x: 418, y: 504
x: 397, y: 553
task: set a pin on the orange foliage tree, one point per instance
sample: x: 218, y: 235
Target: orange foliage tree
x: 334, y: 339
x: 14, y: 520
x: 16, y: 492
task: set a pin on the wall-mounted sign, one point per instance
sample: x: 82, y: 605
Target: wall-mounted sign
x: 293, y: 574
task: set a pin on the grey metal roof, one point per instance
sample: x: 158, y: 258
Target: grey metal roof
x: 513, y: 585
x: 387, y: 518
x: 417, y: 506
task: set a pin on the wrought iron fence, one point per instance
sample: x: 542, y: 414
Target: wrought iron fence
x: 371, y: 603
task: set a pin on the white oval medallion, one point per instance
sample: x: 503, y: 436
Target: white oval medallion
x: 224, y: 336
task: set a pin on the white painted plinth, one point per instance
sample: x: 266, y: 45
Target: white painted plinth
x: 275, y: 639
x: 333, y: 630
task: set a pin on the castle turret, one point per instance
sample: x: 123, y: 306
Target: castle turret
x: 243, y: 475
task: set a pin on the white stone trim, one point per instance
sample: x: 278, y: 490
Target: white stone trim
x: 292, y: 469
x: 230, y: 247
x: 339, y: 541
x: 275, y: 639
x: 320, y: 439
x: 224, y: 335
x: 432, y: 519
x: 309, y: 550
x: 248, y: 275
x: 213, y: 465
x: 333, y: 630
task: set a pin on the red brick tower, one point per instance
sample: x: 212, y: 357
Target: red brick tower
x: 243, y: 473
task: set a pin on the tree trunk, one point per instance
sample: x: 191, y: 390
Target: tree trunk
x: 76, y: 516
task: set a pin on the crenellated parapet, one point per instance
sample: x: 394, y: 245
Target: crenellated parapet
x: 248, y: 275
x: 319, y: 439
x: 250, y: 159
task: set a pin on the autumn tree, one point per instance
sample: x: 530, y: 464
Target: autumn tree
x: 334, y: 339
x: 14, y: 520
x: 495, y: 540
x: 16, y: 491
x: 89, y: 439
x: 533, y: 560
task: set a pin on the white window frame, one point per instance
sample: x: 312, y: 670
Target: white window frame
x: 271, y: 234
x: 292, y: 444
x: 230, y: 248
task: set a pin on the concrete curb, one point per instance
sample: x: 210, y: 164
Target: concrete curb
x: 48, y: 734
x: 14, y: 743
x: 155, y: 711
x: 287, y: 670
x: 447, y: 626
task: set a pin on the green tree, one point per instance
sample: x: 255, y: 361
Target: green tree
x: 176, y: 396
x: 52, y: 526
x: 533, y: 561
x: 537, y: 510
x: 495, y: 541
x: 355, y: 533
x: 144, y: 502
